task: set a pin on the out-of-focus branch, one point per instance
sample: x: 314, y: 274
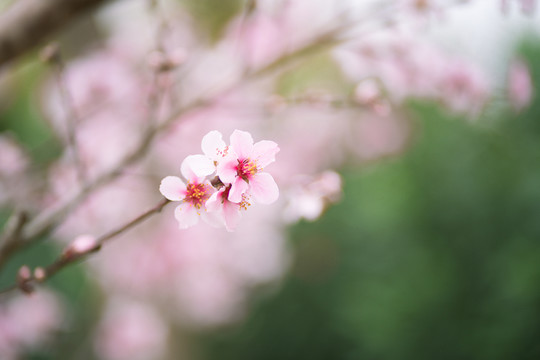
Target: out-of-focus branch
x: 11, y: 234
x: 27, y: 23
x: 52, y: 55
x: 69, y: 256
x: 45, y: 222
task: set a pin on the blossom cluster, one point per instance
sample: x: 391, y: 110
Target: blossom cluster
x: 236, y: 179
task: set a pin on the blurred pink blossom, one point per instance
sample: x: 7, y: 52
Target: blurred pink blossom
x: 309, y: 199
x: 465, y: 88
x: 528, y: 6
x: 411, y: 68
x: 373, y: 137
x: 28, y: 321
x: 131, y: 330
x: 13, y: 160
x: 520, y: 86
x: 100, y: 81
x: 260, y: 39
x: 202, y: 274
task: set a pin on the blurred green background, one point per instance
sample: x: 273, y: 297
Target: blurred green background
x: 432, y: 255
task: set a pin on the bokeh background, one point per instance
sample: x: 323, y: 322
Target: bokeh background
x: 429, y: 249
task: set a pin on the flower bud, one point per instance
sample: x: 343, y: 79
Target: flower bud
x: 24, y: 276
x: 81, y: 245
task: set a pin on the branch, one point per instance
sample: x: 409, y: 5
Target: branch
x: 70, y: 256
x: 12, y: 233
x: 27, y: 23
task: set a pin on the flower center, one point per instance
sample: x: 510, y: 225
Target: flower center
x: 197, y: 194
x: 246, y: 169
x: 243, y: 205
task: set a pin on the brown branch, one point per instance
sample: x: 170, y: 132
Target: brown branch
x: 27, y: 23
x: 12, y: 233
x: 70, y: 257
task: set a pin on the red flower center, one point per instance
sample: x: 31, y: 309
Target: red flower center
x: 246, y: 169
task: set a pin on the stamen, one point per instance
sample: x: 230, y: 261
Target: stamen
x: 246, y: 169
x: 197, y: 194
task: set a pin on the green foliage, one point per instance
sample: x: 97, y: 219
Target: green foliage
x: 213, y: 15
x: 23, y: 118
x: 315, y: 72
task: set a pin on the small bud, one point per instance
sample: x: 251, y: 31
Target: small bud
x: 24, y: 276
x: 275, y: 103
x: 50, y: 53
x: 24, y: 273
x: 367, y: 92
x: 81, y: 245
x: 162, y: 62
x: 40, y: 274
x: 317, y: 97
x: 178, y: 56
x: 216, y: 183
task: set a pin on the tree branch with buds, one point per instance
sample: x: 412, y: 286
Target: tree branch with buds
x: 47, y: 221
x: 75, y: 252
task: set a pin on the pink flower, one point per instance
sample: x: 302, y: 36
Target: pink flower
x: 192, y: 195
x: 229, y: 211
x: 242, y: 167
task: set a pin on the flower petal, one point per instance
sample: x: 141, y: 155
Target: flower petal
x: 214, y: 219
x: 187, y: 215
x: 264, y: 152
x: 213, y: 204
x: 213, y: 145
x: 237, y: 189
x: 226, y: 169
x: 242, y: 144
x: 196, y: 167
x: 264, y: 188
x: 173, y: 188
x: 231, y: 214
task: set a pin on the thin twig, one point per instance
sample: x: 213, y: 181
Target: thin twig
x: 12, y: 233
x: 72, y: 114
x: 67, y: 259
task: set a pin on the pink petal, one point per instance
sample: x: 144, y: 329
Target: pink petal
x: 226, y: 169
x: 187, y: 215
x: 237, y: 189
x: 264, y: 152
x: 231, y: 214
x: 214, y: 219
x: 196, y: 167
x: 264, y: 188
x: 213, y: 204
x: 242, y: 144
x: 213, y: 145
x: 173, y: 188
